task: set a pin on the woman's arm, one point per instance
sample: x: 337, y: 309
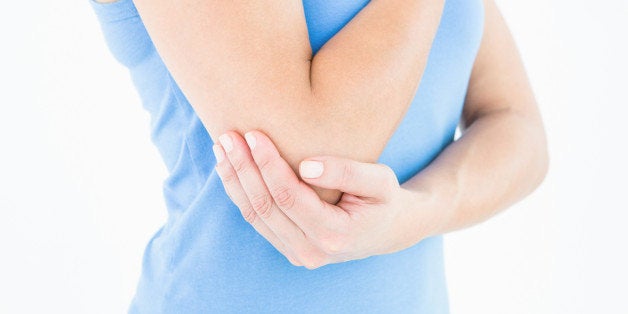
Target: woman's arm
x: 248, y: 65
x: 501, y: 157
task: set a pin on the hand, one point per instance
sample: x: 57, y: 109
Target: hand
x: 374, y: 216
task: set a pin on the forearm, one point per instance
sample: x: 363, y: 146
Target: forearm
x: 245, y: 66
x: 500, y: 159
x: 363, y: 81
x: 369, y: 72
x: 502, y: 155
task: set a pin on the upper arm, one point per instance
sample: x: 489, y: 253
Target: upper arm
x: 498, y: 81
x: 247, y: 65
x: 231, y: 54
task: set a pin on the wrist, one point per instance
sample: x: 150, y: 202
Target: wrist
x: 410, y: 226
x: 430, y: 211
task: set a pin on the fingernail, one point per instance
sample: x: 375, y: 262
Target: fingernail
x: 226, y: 142
x: 250, y: 139
x: 311, y: 169
x: 220, y: 156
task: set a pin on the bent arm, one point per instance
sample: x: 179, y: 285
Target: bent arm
x: 248, y: 65
x: 502, y: 155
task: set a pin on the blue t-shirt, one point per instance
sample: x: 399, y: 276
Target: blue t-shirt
x: 206, y: 258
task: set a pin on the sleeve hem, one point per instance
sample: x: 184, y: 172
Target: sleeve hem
x: 114, y: 11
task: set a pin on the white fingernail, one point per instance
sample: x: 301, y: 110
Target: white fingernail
x: 311, y: 169
x: 250, y: 139
x: 220, y: 156
x: 226, y: 142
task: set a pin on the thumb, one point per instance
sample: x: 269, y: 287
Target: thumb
x: 349, y: 176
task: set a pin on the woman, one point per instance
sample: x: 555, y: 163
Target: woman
x: 337, y: 80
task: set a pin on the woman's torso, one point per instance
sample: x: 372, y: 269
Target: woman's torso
x: 206, y: 258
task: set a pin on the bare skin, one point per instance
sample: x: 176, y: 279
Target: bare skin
x: 310, y: 100
x: 501, y: 158
x: 248, y: 65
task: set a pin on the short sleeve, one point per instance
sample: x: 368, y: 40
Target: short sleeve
x: 114, y: 11
x: 124, y: 31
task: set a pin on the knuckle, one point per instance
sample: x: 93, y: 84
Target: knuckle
x: 264, y: 164
x: 262, y: 205
x: 389, y: 179
x: 312, y: 259
x: 333, y: 244
x: 311, y: 266
x: 390, y: 175
x: 387, y: 171
x: 249, y: 214
x: 293, y: 261
x: 316, y: 263
x: 347, y: 175
x: 240, y: 165
x: 229, y: 178
x: 284, y: 197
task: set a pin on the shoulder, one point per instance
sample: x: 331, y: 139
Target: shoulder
x: 123, y: 30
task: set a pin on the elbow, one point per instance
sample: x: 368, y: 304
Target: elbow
x: 535, y: 145
x: 532, y: 147
x: 540, y: 157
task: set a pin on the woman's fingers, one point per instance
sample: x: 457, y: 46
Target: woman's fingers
x: 286, y: 210
x: 259, y: 197
x: 349, y: 176
x: 297, y: 200
x: 234, y: 189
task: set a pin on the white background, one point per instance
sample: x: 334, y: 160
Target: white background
x: 80, y: 182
